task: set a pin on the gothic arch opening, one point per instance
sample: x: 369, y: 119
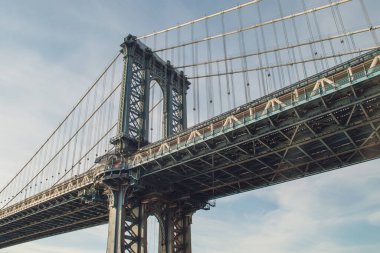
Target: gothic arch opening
x: 153, y: 234
x: 156, y: 112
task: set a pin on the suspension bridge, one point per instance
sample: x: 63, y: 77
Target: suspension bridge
x: 227, y: 103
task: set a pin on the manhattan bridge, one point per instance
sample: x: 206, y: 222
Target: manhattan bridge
x: 259, y: 94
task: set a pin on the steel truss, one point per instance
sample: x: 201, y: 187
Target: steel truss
x: 127, y: 213
x: 294, y: 144
x: 141, y: 67
x: 62, y: 214
x: 330, y: 130
x: 174, y: 222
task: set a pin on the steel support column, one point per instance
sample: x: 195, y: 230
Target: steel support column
x: 175, y: 225
x: 127, y: 230
x: 181, y: 235
x: 116, y: 228
x: 135, y: 228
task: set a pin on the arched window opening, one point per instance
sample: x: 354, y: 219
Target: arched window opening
x: 156, y: 117
x: 153, y: 234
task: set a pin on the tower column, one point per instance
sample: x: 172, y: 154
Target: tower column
x: 181, y: 231
x: 127, y: 213
x: 135, y: 228
x: 175, y: 235
x: 116, y: 228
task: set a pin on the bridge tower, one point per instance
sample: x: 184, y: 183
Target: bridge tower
x: 130, y: 204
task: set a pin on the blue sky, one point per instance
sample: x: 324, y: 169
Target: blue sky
x: 51, y: 51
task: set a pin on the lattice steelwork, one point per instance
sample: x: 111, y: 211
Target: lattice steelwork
x: 328, y: 121
x: 141, y: 67
x: 248, y: 127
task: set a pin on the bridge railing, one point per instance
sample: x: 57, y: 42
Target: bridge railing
x: 69, y: 186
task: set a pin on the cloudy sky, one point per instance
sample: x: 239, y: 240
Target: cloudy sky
x: 51, y: 51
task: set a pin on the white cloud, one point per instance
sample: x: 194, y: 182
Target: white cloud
x: 309, y: 216
x: 374, y: 218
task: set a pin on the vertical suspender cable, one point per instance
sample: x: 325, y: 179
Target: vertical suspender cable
x: 209, y: 81
x: 76, y: 138
x: 277, y: 54
x: 197, y: 83
x: 344, y: 29
x: 291, y: 53
x: 339, y: 32
x: 262, y: 90
x: 243, y: 53
x: 330, y: 41
x: 172, y: 56
x: 263, y: 40
x: 74, y: 142
x: 152, y: 123
x: 99, y: 118
x: 44, y: 161
x: 59, y: 143
x: 319, y: 34
x: 111, y: 105
x: 151, y: 113
x: 62, y: 157
x: 194, y: 74
x: 369, y: 23
x: 48, y: 171
x: 313, y: 49
x: 232, y: 75
x: 103, y: 114
x: 166, y: 46
x: 83, y: 144
x: 299, y: 48
x: 94, y: 121
x: 56, y: 148
x: 161, y: 127
x: 219, y: 88
x: 178, y: 49
x: 261, y: 81
x: 225, y: 61
x: 69, y: 143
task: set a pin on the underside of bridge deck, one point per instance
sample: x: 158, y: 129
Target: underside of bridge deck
x: 331, y: 132
x: 63, y: 214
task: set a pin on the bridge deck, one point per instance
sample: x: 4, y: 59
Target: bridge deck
x: 325, y: 122
x: 308, y: 128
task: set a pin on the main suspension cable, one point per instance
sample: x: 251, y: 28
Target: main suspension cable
x: 289, y: 63
x: 291, y: 16
x: 200, y: 19
x: 290, y: 46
